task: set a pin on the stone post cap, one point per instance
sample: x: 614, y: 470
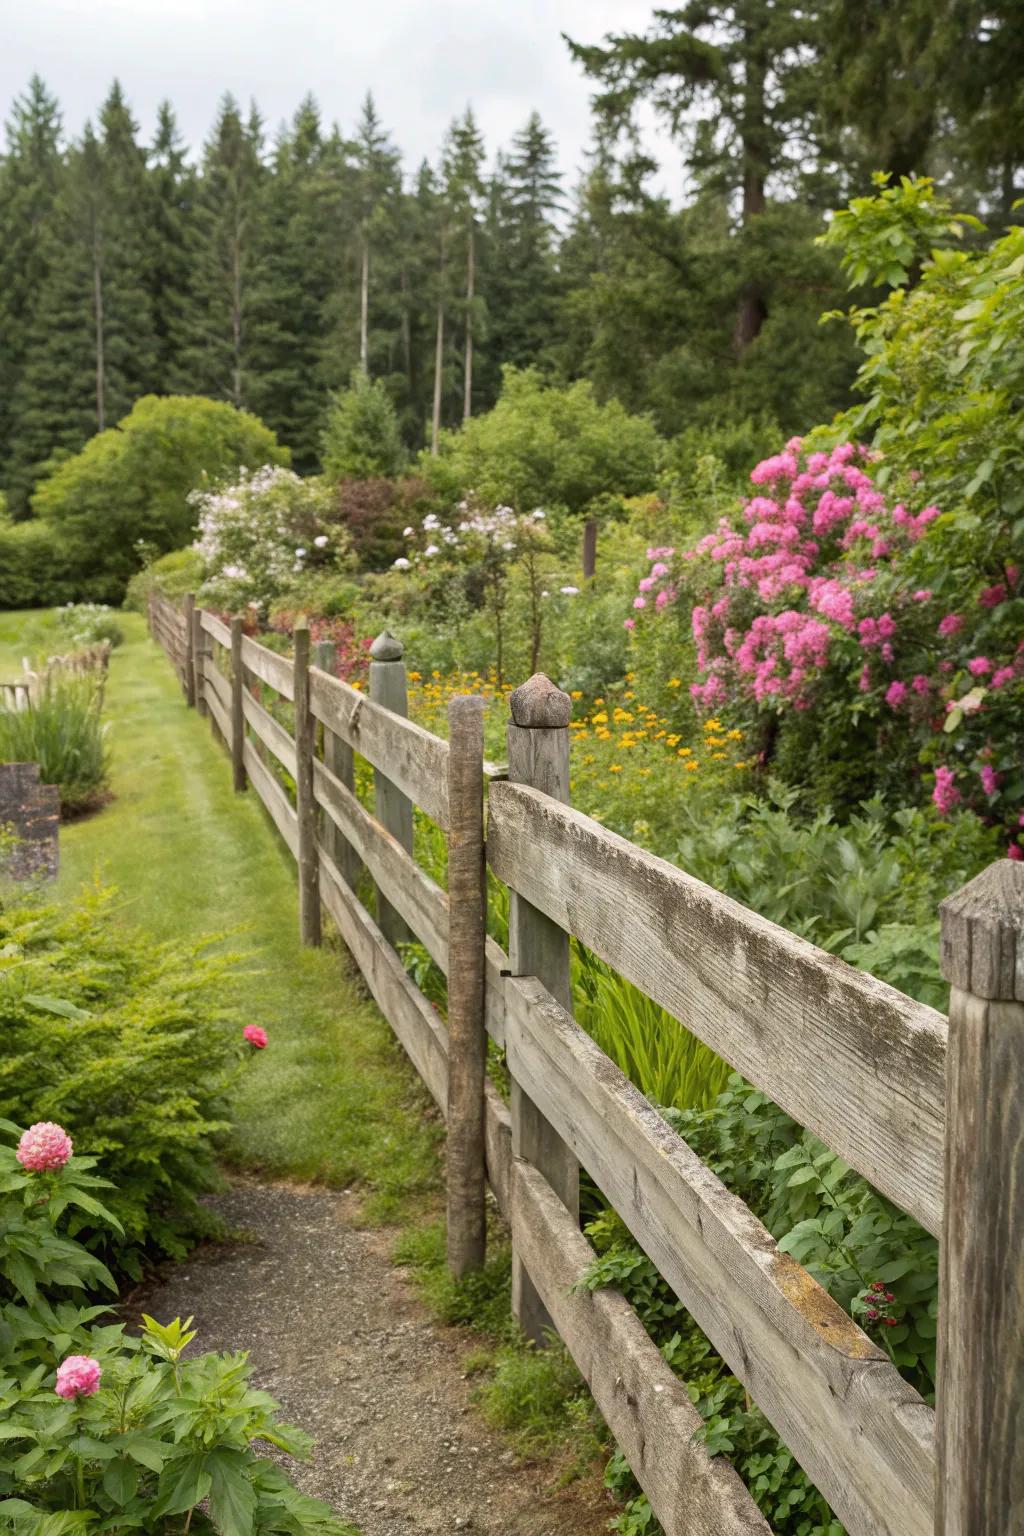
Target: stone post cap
x: 387, y: 648
x: 983, y: 934
x: 538, y: 704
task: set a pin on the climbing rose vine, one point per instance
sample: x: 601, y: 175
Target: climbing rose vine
x: 818, y: 593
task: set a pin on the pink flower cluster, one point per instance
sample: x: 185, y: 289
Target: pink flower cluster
x: 44, y: 1147
x: 256, y: 1036
x: 654, y: 589
x: 78, y: 1376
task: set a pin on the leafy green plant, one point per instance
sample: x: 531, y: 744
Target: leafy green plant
x: 63, y: 732
x: 85, y: 624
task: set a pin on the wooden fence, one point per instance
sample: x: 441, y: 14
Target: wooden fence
x: 916, y: 1103
x: 24, y: 691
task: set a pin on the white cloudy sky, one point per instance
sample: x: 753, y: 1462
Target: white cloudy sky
x: 424, y: 60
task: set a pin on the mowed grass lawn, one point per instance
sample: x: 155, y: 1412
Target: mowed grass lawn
x: 332, y: 1098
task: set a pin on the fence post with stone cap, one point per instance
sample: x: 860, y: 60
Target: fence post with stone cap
x: 305, y: 804
x: 538, y: 755
x: 980, y: 1387
x: 393, y: 809
x: 237, y: 711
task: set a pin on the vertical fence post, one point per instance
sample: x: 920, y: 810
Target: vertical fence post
x: 394, y: 810
x: 305, y: 737
x: 199, y: 651
x: 980, y: 1389
x: 237, y: 712
x: 190, y: 651
x: 467, y: 1038
x: 538, y: 755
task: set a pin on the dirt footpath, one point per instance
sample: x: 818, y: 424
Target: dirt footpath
x: 339, y: 1338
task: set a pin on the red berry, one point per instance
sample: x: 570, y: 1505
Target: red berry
x: 890, y: 1322
x: 889, y: 1296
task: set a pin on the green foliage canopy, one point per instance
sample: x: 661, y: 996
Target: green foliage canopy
x: 361, y: 437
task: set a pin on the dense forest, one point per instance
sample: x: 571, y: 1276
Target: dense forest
x: 261, y: 270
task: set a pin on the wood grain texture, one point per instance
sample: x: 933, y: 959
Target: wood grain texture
x: 215, y: 627
x: 199, y: 649
x: 237, y: 708
x: 275, y: 671
x: 274, y: 798
x: 498, y: 1142
x: 160, y: 616
x: 417, y: 1027
x: 273, y: 736
x: 847, y: 1056
x: 414, y: 760
x: 220, y: 711
x: 983, y: 934
x: 863, y: 1436
x: 467, y: 1038
x: 393, y: 808
x: 217, y: 683
x: 305, y: 801
x: 646, y: 1407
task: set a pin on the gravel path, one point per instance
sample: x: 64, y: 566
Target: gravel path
x: 339, y: 1338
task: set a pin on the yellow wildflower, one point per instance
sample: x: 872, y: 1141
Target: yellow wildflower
x: 615, y: 768
x: 674, y: 682
x: 692, y: 765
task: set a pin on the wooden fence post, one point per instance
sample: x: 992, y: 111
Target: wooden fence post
x: 200, y: 647
x: 237, y: 712
x: 980, y: 1388
x: 305, y: 737
x: 538, y: 755
x: 190, y: 653
x: 467, y: 1037
x: 393, y: 809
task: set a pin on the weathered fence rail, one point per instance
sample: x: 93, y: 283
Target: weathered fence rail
x: 913, y: 1102
x: 24, y: 691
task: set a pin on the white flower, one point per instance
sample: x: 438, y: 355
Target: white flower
x: 407, y: 533
x: 430, y: 522
x: 545, y: 594
x: 569, y: 591
x: 538, y: 512
x: 431, y: 549
x: 300, y: 554
x: 320, y: 540
x: 401, y: 564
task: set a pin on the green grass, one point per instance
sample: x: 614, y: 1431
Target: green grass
x: 332, y: 1098
x: 33, y: 633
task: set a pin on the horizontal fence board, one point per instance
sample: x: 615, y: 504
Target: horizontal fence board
x: 419, y: 1029
x: 646, y: 1407
x: 861, y: 1433
x: 221, y: 713
x: 847, y: 1056
x: 213, y: 626
x: 273, y: 797
x: 498, y: 1146
x: 422, y: 903
x: 273, y: 736
x: 169, y: 637
x: 217, y: 683
x: 412, y: 758
x: 276, y: 671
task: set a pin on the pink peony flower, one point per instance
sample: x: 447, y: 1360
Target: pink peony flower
x: 989, y: 779
x: 256, y: 1036
x: 895, y: 694
x: 920, y: 683
x: 1002, y: 677
x: 78, y: 1376
x: 629, y: 623
x: 639, y: 602
x: 950, y: 624
x: 44, y: 1147
x: 1015, y: 851
x: 978, y: 666
x: 945, y: 794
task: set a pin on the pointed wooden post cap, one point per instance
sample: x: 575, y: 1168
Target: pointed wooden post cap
x: 387, y: 648
x: 983, y: 934
x: 537, y: 703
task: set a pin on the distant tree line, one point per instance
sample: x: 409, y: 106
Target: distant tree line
x: 263, y: 272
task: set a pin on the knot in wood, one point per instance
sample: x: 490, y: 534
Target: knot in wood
x: 537, y: 703
x: 983, y: 934
x: 387, y: 648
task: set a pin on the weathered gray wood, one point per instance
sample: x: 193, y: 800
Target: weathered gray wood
x: 538, y: 755
x: 199, y: 652
x: 389, y: 690
x: 274, y: 670
x: 413, y: 759
x: 219, y: 710
x: 862, y: 1434
x: 305, y: 803
x: 189, y: 658
x: 340, y: 761
x: 237, y: 708
x: 419, y: 1030
x: 851, y: 1058
x: 980, y: 1388
x: 216, y: 628
x: 273, y: 797
x: 272, y: 734
x: 498, y: 1141
x: 467, y: 1037
x: 646, y: 1407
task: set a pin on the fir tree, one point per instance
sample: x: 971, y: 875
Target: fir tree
x: 525, y: 201
x: 172, y: 210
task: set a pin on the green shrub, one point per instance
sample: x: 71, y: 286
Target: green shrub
x: 361, y: 437
x: 130, y: 485
x: 85, y: 624
x: 125, y: 1043
x: 37, y: 570
x: 170, y: 575
x: 63, y: 732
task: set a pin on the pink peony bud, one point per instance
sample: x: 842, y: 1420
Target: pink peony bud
x: 78, y: 1376
x: 44, y: 1147
x: 256, y: 1037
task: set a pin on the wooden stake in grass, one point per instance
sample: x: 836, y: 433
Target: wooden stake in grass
x: 467, y: 1049
x: 237, y: 714
x: 980, y: 1389
x: 305, y: 735
x: 538, y: 755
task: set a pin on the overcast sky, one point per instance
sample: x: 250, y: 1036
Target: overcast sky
x: 424, y: 60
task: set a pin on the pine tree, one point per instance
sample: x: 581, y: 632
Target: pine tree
x: 227, y: 252
x: 377, y: 183
x: 525, y: 200
x: 464, y: 189
x: 172, y: 184
x: 30, y: 176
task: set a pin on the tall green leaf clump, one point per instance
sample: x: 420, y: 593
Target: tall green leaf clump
x: 63, y: 732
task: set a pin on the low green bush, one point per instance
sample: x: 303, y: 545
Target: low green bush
x: 62, y: 730
x: 170, y: 576
x: 37, y: 570
x: 128, y: 1045
x: 85, y: 624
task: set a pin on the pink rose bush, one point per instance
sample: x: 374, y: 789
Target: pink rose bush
x: 44, y: 1147
x: 78, y: 1376
x: 809, y: 605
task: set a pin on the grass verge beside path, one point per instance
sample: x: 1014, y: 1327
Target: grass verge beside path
x: 332, y: 1098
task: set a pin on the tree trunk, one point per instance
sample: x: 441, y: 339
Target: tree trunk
x: 364, y: 309
x: 97, y: 299
x: 406, y: 327
x: 467, y: 399
x: 435, y: 434
x: 751, y: 312
x: 589, y: 548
